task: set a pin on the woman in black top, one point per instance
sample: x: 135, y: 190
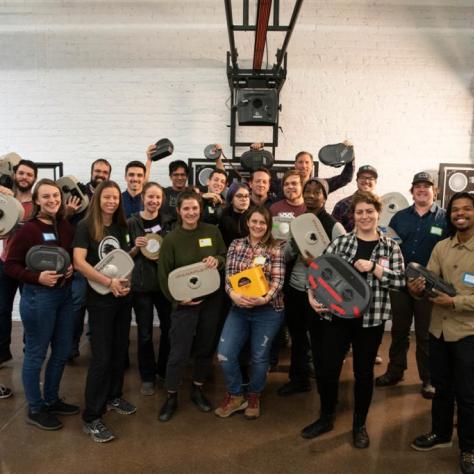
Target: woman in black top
x: 103, y: 230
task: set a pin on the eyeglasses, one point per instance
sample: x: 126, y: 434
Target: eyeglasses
x: 366, y: 178
x: 242, y: 196
x: 179, y: 175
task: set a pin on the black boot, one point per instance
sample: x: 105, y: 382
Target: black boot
x: 322, y: 425
x: 169, y: 407
x: 199, y: 399
x: 359, y: 433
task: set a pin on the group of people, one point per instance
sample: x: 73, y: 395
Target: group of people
x: 228, y: 226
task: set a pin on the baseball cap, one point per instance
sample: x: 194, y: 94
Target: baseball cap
x: 423, y: 177
x: 367, y: 169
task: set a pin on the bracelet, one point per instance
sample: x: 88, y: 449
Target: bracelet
x: 373, y: 267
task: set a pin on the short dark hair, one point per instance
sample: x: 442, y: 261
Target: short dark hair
x: 366, y: 197
x: 174, y: 165
x: 102, y: 160
x: 461, y: 195
x: 301, y: 153
x: 135, y: 164
x: 260, y: 170
x: 29, y: 164
x: 218, y: 171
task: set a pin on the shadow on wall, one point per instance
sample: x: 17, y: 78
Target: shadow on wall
x: 450, y: 32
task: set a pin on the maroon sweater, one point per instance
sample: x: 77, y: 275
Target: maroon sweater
x: 32, y: 233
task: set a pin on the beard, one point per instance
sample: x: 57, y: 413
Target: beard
x: 23, y: 189
x: 96, y: 181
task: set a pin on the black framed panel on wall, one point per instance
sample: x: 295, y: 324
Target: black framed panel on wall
x: 454, y: 178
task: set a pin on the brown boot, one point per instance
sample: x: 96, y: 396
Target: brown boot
x: 252, y: 412
x: 230, y: 405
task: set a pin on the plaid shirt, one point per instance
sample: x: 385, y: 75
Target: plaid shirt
x: 341, y: 213
x: 241, y: 256
x: 393, y: 277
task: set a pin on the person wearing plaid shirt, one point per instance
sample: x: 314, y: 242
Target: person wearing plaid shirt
x: 379, y: 259
x: 254, y: 318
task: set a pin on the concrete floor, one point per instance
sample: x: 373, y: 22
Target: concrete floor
x: 195, y: 442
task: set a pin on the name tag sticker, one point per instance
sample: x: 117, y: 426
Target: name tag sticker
x: 259, y: 261
x: 383, y: 262
x: 48, y: 237
x: 435, y: 230
x: 468, y: 278
x: 205, y: 242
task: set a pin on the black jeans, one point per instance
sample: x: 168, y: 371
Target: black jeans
x: 405, y: 308
x: 143, y: 304
x: 8, y: 287
x: 296, y: 315
x: 337, y: 336
x: 452, y: 375
x: 109, y: 326
x: 194, y: 330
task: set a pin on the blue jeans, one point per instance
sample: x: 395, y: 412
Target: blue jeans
x: 47, y: 319
x: 260, y: 324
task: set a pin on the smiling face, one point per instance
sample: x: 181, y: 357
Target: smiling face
x: 313, y: 196
x: 178, y: 179
x: 100, y: 172
x: 216, y: 183
x: 152, y: 199
x: 462, y: 214
x: 366, y: 217
x: 257, y: 226
x: 292, y: 188
x: 304, y: 164
x: 109, y: 201
x: 366, y: 182
x: 48, y: 199
x: 260, y: 184
x: 134, y: 178
x: 423, y: 194
x: 190, y: 212
x: 24, y: 178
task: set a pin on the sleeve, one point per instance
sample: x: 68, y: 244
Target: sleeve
x: 277, y: 272
x: 221, y: 249
x: 393, y: 276
x: 133, y: 229
x: 337, y: 231
x: 15, y: 265
x: 290, y: 250
x: 230, y: 265
x: 336, y: 182
x: 81, y: 236
x: 166, y: 265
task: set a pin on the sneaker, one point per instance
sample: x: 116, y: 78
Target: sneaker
x: 62, y: 408
x: 378, y: 360
x: 5, y: 392
x: 428, y: 391
x: 121, y: 406
x: 290, y: 388
x: 44, y: 420
x: 147, y: 389
x: 387, y: 380
x: 231, y: 404
x: 252, y: 412
x: 98, y: 431
x: 467, y: 462
x: 430, y: 441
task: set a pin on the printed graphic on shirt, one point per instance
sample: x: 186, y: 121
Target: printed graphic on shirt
x: 153, y: 230
x: 289, y: 215
x: 205, y: 242
x: 106, y: 246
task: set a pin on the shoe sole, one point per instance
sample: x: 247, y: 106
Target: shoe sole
x: 312, y: 436
x: 64, y: 413
x: 97, y: 440
x: 233, y: 412
x: 294, y: 392
x: 42, y: 427
x: 8, y: 395
x: 251, y: 417
x: 387, y: 385
x: 436, y: 446
x: 119, y: 411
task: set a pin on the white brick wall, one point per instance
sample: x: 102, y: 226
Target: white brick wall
x: 81, y: 80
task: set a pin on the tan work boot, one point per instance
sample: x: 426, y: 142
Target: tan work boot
x: 252, y: 412
x: 230, y: 405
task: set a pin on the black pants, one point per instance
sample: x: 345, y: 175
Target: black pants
x: 337, y: 336
x: 405, y: 308
x: 296, y: 315
x: 143, y: 304
x: 452, y: 375
x: 8, y: 287
x: 194, y: 330
x: 314, y: 324
x: 109, y: 326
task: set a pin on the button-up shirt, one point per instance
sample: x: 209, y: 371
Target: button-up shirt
x: 386, y: 253
x: 242, y: 255
x: 454, y: 262
x: 419, y: 234
x: 131, y: 204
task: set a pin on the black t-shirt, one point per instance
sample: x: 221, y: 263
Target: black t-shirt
x: 364, y: 250
x: 115, y: 238
x: 152, y: 226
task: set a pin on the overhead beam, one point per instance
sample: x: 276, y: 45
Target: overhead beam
x: 263, y: 16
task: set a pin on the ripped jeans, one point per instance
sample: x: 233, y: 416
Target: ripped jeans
x: 260, y: 325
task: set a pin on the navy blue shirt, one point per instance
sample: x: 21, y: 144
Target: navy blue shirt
x: 419, y: 234
x: 131, y: 205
